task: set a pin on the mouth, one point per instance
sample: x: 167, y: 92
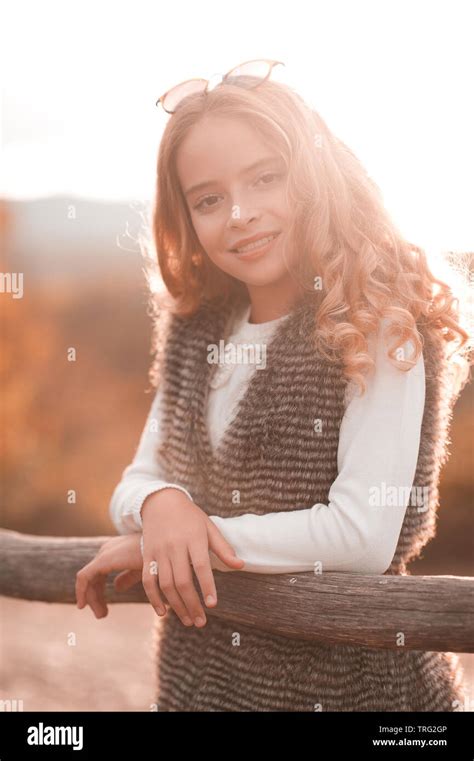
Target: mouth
x: 258, y: 246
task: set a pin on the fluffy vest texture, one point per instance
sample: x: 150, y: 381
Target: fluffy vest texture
x: 273, y: 457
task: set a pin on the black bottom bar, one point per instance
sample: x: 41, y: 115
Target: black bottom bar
x: 55, y: 734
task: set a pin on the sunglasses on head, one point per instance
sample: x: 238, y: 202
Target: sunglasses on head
x: 249, y: 74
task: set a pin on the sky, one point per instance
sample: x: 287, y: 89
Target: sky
x: 391, y: 79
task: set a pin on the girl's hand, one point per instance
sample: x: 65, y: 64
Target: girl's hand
x: 177, y: 534
x: 115, y: 554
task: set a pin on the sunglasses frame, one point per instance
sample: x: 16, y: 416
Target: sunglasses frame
x: 270, y: 63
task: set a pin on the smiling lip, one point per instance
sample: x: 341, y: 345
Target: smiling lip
x: 258, y: 236
x: 256, y: 253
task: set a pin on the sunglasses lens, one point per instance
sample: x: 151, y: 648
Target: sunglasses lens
x: 255, y: 69
x: 178, y: 93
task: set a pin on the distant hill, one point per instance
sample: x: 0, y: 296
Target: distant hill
x: 74, y: 236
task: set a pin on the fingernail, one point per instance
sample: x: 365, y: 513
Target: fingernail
x: 210, y: 600
x: 199, y: 621
x: 160, y: 611
x: 187, y: 621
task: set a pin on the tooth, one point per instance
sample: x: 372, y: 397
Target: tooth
x: 256, y: 244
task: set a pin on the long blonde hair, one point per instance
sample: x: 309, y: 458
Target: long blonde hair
x: 345, y: 235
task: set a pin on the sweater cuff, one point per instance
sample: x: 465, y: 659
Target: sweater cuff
x: 145, y: 492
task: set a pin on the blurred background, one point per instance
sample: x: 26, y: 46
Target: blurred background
x: 80, y: 134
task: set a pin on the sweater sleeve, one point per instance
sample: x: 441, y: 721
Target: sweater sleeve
x: 141, y: 478
x: 378, y: 448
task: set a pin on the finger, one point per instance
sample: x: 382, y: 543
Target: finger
x: 202, y: 568
x: 101, y: 564
x: 127, y: 579
x: 150, y: 584
x: 83, y: 579
x: 80, y: 587
x: 96, y: 599
x: 167, y: 584
x: 222, y: 548
x: 184, y: 583
x: 99, y: 588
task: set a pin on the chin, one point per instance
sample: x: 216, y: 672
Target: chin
x: 262, y: 276
x: 264, y: 271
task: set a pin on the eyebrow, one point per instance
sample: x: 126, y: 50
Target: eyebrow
x: 255, y: 165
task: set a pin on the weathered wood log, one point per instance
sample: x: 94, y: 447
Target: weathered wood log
x: 416, y: 612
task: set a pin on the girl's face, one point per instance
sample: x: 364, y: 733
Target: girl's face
x: 241, y: 194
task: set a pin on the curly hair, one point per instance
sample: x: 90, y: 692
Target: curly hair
x: 349, y: 246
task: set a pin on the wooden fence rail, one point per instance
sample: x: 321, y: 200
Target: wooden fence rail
x: 424, y: 612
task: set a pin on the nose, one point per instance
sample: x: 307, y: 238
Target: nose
x: 241, y: 215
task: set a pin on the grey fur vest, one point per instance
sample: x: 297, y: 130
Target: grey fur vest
x: 272, y: 455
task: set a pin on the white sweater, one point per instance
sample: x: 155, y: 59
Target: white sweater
x: 378, y: 445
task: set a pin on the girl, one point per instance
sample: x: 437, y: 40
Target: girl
x: 306, y: 365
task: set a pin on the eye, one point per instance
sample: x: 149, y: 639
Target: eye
x: 268, y: 174
x: 200, y: 206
